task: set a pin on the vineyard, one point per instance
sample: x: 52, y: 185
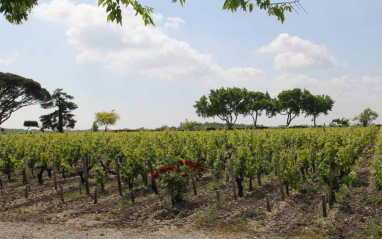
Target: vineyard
x: 267, y: 182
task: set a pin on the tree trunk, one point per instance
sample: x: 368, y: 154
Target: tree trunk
x: 287, y: 189
x: 259, y: 179
x: 314, y: 121
x: 60, y: 118
x: 250, y: 185
x: 240, y: 186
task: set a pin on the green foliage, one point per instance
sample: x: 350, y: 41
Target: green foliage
x: 225, y: 103
x: 62, y: 117
x: 292, y: 103
x: 100, y: 178
x: 30, y: 123
x: 188, y: 125
x: 17, y: 11
x: 215, y: 185
x: 376, y: 168
x: 318, y: 104
x: 344, y: 122
x: 343, y: 192
x: 366, y: 117
x: 18, y: 92
x: 107, y: 118
x: 94, y: 127
x: 257, y: 103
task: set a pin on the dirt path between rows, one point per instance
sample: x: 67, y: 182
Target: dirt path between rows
x: 16, y: 230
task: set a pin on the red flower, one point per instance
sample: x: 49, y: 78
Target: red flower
x: 155, y: 175
x: 201, y: 169
x: 180, y: 162
x: 163, y: 170
x: 185, y: 175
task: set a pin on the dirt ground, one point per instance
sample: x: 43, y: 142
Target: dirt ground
x: 43, y: 215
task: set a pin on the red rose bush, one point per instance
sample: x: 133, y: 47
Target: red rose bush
x: 175, y: 179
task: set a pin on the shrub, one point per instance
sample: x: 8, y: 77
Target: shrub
x: 175, y: 179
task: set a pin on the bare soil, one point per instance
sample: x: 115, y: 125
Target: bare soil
x: 43, y: 215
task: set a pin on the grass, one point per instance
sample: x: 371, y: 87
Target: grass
x: 376, y: 228
x: 72, y: 196
x: 371, y: 200
x: 343, y: 193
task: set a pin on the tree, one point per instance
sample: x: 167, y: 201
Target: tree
x: 366, y: 117
x: 258, y: 102
x: 107, y: 118
x: 226, y: 104
x: 292, y: 103
x: 341, y: 122
x: 62, y: 117
x: 188, y: 125
x: 30, y: 123
x: 17, y: 92
x: 94, y: 127
x: 318, y: 104
x: 18, y: 11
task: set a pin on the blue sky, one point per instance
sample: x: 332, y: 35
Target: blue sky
x: 152, y: 75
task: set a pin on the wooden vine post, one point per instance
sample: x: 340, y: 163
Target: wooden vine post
x: 85, y: 163
x: 54, y: 174
x: 280, y: 179
x: 153, y: 182
x: 118, y: 177
x: 323, y: 201
x: 26, y: 171
x: 1, y: 183
x: 96, y: 195
x: 331, y: 192
x: 105, y: 158
x: 62, y: 194
x: 232, y: 172
x: 268, y: 200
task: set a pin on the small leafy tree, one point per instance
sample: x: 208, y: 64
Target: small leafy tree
x: 225, y: 103
x: 366, y: 117
x: 62, y: 117
x: 318, y: 104
x: 94, y: 127
x: 107, y: 118
x: 30, y: 123
x: 292, y: 103
x: 258, y: 102
x: 188, y: 125
x: 344, y: 122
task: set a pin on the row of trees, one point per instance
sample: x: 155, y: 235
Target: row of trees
x: 17, y: 92
x: 228, y: 103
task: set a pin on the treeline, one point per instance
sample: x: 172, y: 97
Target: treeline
x: 229, y: 103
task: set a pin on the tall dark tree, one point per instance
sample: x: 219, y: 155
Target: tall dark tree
x: 318, y: 104
x: 292, y: 103
x: 257, y: 103
x: 17, y: 92
x: 225, y: 103
x: 62, y: 117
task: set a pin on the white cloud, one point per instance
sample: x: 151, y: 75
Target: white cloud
x: 174, y: 22
x: 136, y: 48
x: 294, y: 53
x: 8, y: 60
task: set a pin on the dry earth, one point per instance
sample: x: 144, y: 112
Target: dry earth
x: 43, y: 215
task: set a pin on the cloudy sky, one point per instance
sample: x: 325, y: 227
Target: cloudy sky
x: 152, y: 76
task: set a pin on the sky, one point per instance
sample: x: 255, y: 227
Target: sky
x: 152, y: 76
